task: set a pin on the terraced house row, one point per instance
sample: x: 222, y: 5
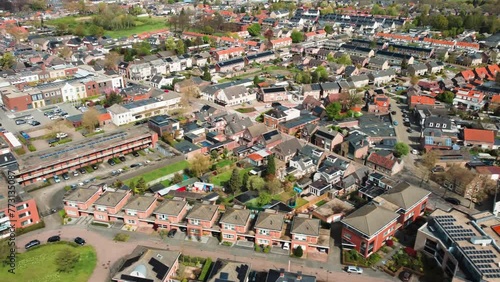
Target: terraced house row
x: 266, y: 228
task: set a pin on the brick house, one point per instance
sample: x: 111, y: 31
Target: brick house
x: 170, y: 212
x: 139, y: 208
x: 201, y: 218
x: 107, y: 207
x: 252, y: 134
x: 305, y: 232
x: 385, y: 162
x: 295, y: 125
x: 355, y: 146
x: 368, y: 228
x: 269, y: 227
x: 327, y: 138
x: 234, y: 224
x: 272, y: 94
x: 230, y: 53
x: 379, y: 104
x: 81, y: 199
x: 280, y: 43
x: 480, y: 138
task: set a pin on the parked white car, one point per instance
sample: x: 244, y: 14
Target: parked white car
x: 415, y: 152
x: 286, y: 246
x: 354, y: 269
x: 61, y: 135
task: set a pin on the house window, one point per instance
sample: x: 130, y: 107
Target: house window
x: 132, y: 213
x: 300, y: 237
x: 431, y: 124
x: 444, y: 125
x: 195, y: 221
x: 100, y: 216
x: 74, y: 205
x: 228, y: 236
x: 24, y: 214
x: 438, y: 125
x: 263, y: 242
x: 24, y: 223
x: 131, y: 221
x: 22, y: 207
x: 264, y: 232
x: 163, y: 217
x: 229, y: 227
x: 99, y: 208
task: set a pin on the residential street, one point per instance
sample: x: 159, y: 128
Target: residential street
x: 109, y: 251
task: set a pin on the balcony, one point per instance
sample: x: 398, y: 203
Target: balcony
x: 5, y: 226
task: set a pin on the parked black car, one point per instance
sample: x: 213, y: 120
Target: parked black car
x: 135, y: 154
x: 122, y: 158
x: 94, y: 167
x: 82, y: 170
x: 111, y: 162
x: 79, y: 241
x: 171, y: 233
x: 453, y: 201
x: 35, y: 123
x: 55, y: 238
x: 32, y: 244
x: 65, y: 176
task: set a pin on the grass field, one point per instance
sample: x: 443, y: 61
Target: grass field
x: 39, y: 265
x: 221, y: 178
x: 157, y: 173
x: 245, y: 110
x: 142, y: 25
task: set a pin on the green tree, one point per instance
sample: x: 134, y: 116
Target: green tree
x: 446, y: 97
x: 178, y: 178
x: 439, y: 22
x: 328, y: 29
x: 377, y: 10
x: 7, y: 61
x: 254, y: 29
x: 206, y: 75
x: 180, y: 48
x: 401, y: 149
x: 244, y: 181
x: 333, y: 110
x: 199, y: 164
x: 235, y: 181
x: 264, y: 198
x: 345, y: 60
x: 256, y: 80
x: 67, y: 260
x: 297, y: 36
x: 170, y: 44
x: 298, y: 252
x: 274, y: 186
x: 79, y: 30
x: 255, y: 183
x: 61, y: 28
x: 141, y: 186
x: 113, y: 98
x: 132, y: 186
x: 271, y: 166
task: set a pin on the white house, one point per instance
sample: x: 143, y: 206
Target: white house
x: 235, y: 95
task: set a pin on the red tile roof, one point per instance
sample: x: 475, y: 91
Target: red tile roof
x: 255, y: 157
x: 382, y: 161
x: 468, y: 45
x: 279, y: 40
x: 495, y: 99
x: 440, y: 42
x: 231, y: 50
x: 468, y: 74
x: 422, y: 100
x: 488, y: 169
x: 479, y: 135
x: 493, y: 69
x: 482, y: 72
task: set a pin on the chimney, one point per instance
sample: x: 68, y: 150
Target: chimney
x: 299, y: 276
x: 282, y: 272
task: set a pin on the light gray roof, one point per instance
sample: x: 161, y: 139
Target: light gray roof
x: 257, y: 129
x: 267, y: 220
x: 236, y: 217
x: 288, y: 147
x: 305, y: 226
x: 171, y: 207
x: 369, y: 219
x: 81, y: 194
x: 140, y: 203
x: 202, y: 212
x: 110, y: 199
x: 405, y: 195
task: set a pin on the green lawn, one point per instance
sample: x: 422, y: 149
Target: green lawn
x: 39, y: 265
x: 155, y: 174
x: 300, y: 202
x: 221, y: 178
x: 245, y: 110
x: 224, y: 163
x: 142, y: 25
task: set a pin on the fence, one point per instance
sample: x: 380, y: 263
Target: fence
x: 305, y: 207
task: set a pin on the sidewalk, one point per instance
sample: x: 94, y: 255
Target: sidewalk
x: 109, y: 251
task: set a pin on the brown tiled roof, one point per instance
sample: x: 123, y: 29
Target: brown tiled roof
x: 385, y: 162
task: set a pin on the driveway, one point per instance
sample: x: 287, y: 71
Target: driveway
x: 108, y: 252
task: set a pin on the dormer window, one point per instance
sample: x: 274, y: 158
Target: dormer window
x: 438, y: 125
x: 444, y: 125
x: 431, y: 124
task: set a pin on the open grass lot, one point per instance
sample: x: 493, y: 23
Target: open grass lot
x: 222, y: 178
x: 157, y: 173
x: 38, y: 265
x: 142, y: 25
x: 245, y: 110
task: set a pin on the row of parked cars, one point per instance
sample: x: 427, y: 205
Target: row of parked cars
x: 56, y: 238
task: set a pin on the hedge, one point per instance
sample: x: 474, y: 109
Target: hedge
x: 205, y: 269
x: 33, y: 227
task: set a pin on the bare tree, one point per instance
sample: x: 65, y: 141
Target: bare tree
x: 111, y: 60
x: 65, y: 52
x: 90, y: 119
x: 188, y: 96
x: 428, y: 162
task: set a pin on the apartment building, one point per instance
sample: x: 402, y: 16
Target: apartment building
x: 15, y: 212
x: 44, y: 164
x: 464, y: 245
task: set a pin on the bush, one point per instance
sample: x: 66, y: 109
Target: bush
x: 100, y: 224
x: 31, y: 148
x: 121, y: 237
x: 411, y: 252
x: 30, y: 228
x: 20, y: 151
x: 298, y: 252
x: 267, y: 249
x: 66, y: 260
x: 205, y: 269
x: 258, y: 248
x: 373, y: 259
x: 389, y: 243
